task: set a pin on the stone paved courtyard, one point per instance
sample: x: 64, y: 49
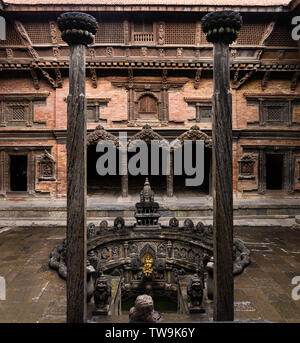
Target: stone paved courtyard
x: 34, y: 293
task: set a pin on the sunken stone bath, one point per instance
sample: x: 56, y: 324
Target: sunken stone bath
x: 147, y: 258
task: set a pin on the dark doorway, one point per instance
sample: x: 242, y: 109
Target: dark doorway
x: 98, y: 185
x: 18, y: 173
x: 204, y: 189
x: 274, y: 171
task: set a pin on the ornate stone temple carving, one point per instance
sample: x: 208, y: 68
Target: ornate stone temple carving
x: 147, y: 210
x: 47, y: 167
x: 149, y: 257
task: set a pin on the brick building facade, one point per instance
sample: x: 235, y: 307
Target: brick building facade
x: 150, y: 64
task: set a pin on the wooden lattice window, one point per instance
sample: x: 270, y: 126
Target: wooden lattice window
x: 143, y: 32
x: 281, y: 36
x: 110, y: 33
x: 39, y: 33
x: 17, y: 114
x: 251, y: 34
x: 180, y: 33
x: 147, y: 107
x: 246, y: 167
x: 12, y: 37
x: 275, y: 112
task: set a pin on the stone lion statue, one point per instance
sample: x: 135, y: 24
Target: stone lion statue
x: 195, y: 291
x: 102, y: 293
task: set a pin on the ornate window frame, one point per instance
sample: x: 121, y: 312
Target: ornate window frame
x: 201, y: 107
x: 25, y: 101
x: 246, y: 167
x: 267, y: 101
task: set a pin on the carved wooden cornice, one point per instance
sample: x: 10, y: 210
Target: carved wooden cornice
x: 188, y: 65
x: 277, y: 96
x: 22, y: 96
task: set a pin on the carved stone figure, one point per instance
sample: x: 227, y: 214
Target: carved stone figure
x: 115, y: 252
x: 57, y: 259
x: 133, y: 249
x: 103, y: 225
x: 104, y: 254
x: 102, y: 295
x: 200, y: 228
x: 119, y: 224
x: 143, y: 310
x: 94, y: 260
x: 161, y: 250
x: 188, y: 224
x: 176, y: 253
x: 91, y: 230
x: 195, y: 293
x: 173, y: 223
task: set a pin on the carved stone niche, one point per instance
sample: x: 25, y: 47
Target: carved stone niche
x: 47, y: 167
x: 246, y: 167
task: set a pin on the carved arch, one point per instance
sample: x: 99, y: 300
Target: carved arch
x: 193, y: 134
x: 100, y: 134
x: 147, y: 135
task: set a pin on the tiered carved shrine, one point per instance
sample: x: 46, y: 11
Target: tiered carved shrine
x: 150, y: 258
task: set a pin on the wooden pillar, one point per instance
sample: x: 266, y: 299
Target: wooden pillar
x: 124, y: 186
x: 77, y: 37
x: 222, y: 159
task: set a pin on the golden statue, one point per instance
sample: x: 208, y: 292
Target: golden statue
x: 147, y: 261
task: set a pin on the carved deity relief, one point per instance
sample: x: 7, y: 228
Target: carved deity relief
x: 47, y: 167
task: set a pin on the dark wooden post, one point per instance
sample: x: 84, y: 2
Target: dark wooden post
x: 221, y: 29
x: 77, y: 30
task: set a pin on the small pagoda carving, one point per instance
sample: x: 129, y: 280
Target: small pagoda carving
x: 147, y: 214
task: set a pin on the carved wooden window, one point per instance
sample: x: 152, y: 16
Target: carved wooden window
x: 93, y: 109
x: 39, y: 33
x: 147, y: 107
x: 203, y: 109
x: 92, y: 113
x: 143, y: 33
x: 281, y: 36
x: 12, y: 37
x: 203, y: 113
x: 246, y: 167
x: 180, y: 33
x: 110, y: 32
x: 251, y: 34
x: 47, y: 167
x: 275, y: 112
x: 17, y: 114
